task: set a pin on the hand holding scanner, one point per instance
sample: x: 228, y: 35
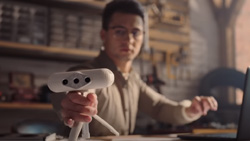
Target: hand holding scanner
x: 82, y: 80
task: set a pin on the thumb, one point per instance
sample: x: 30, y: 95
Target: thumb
x: 69, y: 122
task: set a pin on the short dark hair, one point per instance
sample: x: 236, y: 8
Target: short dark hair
x: 123, y: 6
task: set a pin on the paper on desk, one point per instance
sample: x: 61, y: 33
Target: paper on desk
x: 147, y: 139
x: 80, y: 139
x: 169, y: 137
x: 130, y: 139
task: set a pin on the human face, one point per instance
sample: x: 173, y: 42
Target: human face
x: 124, y: 37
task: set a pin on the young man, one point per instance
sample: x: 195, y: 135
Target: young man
x: 122, y: 35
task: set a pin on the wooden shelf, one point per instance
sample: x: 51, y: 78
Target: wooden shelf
x: 22, y: 105
x: 45, y: 52
x: 86, y: 6
x: 55, y: 53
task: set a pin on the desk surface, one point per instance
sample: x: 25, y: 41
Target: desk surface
x: 167, y: 137
x: 170, y: 137
x: 54, y: 137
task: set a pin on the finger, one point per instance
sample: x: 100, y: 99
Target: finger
x: 206, y: 105
x: 88, y: 110
x: 93, y: 98
x: 76, y: 97
x: 214, y: 103
x: 197, y: 98
x: 69, y: 105
x: 69, y: 122
x: 196, y: 107
x: 85, y: 110
x: 75, y: 116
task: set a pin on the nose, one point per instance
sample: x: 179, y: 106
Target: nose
x: 130, y: 38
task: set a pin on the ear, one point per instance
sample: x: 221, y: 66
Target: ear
x: 103, y: 34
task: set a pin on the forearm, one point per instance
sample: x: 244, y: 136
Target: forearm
x: 174, y: 112
x: 168, y: 111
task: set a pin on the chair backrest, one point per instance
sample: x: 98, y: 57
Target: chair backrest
x: 221, y: 77
x: 214, y: 84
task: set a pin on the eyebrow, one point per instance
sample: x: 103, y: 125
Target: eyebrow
x: 117, y: 26
x: 120, y: 26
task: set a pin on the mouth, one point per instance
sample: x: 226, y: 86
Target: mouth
x: 126, y: 50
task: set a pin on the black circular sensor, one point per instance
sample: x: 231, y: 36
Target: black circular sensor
x: 65, y: 82
x: 76, y: 80
x: 87, y: 80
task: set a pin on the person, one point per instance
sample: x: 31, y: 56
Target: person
x: 122, y: 34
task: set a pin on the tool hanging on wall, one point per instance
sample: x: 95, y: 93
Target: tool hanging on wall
x: 154, y: 80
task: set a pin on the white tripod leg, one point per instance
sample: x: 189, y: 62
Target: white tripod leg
x: 78, y: 126
x: 85, y: 131
x: 75, y: 131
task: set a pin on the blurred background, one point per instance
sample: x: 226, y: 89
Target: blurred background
x: 191, y: 47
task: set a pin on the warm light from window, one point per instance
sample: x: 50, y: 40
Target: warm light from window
x: 239, y: 96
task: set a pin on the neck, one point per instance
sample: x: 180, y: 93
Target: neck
x: 124, y: 66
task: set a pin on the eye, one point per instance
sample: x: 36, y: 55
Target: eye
x: 136, y: 33
x: 120, y: 32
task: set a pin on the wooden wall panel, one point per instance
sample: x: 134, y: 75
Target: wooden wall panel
x: 168, y: 28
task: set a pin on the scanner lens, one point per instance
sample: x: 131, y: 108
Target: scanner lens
x: 65, y: 82
x: 87, y: 79
x: 76, y: 80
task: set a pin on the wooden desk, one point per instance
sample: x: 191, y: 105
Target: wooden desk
x: 167, y: 137
x: 54, y: 137
x: 170, y: 137
x: 214, y: 130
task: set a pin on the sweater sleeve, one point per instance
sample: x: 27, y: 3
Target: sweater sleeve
x: 161, y: 108
x: 56, y: 99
